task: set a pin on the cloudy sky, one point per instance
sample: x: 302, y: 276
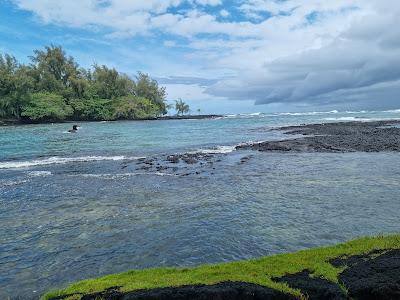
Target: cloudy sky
x: 228, y: 56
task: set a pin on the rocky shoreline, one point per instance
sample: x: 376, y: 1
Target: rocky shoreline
x: 377, y: 136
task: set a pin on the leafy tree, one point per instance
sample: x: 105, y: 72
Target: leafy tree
x: 54, y: 87
x: 132, y: 107
x: 46, y: 106
x: 92, y: 109
x: 109, y: 83
x: 148, y: 88
x: 181, y: 107
x: 53, y: 71
x: 15, y: 86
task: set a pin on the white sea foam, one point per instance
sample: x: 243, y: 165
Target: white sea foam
x: 59, y: 160
x: 39, y: 173
x: 244, y: 116
x: 8, y: 183
x: 357, y: 112
x: 216, y: 150
x: 120, y: 175
x: 352, y: 119
x: 310, y: 113
x: 394, y: 111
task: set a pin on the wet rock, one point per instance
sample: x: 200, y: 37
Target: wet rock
x: 161, y: 168
x: 336, y: 137
x: 245, y: 159
x: 173, y: 159
x: 189, y: 160
x: 314, y: 288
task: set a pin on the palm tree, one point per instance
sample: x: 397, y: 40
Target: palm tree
x: 181, y: 107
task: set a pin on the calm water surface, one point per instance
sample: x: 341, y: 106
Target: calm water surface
x: 74, y: 206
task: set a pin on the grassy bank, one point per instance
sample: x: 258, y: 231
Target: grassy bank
x: 258, y: 271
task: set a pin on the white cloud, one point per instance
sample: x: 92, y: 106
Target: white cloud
x: 294, y: 51
x: 360, y: 57
x: 224, y: 13
x: 209, y: 2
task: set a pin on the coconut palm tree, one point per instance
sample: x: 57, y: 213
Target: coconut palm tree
x: 181, y: 107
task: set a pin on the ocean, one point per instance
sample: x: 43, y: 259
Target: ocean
x: 75, y: 206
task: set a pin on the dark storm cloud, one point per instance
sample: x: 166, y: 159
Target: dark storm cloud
x: 361, y: 66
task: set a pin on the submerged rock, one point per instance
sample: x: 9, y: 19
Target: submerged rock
x: 173, y: 159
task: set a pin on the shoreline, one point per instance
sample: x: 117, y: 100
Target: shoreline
x: 163, y: 118
x: 338, y: 137
x: 366, y: 268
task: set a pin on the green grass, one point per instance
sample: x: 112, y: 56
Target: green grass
x: 258, y: 271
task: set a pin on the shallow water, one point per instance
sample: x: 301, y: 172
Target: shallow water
x: 75, y: 206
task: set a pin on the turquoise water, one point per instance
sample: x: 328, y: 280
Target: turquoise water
x: 74, y: 206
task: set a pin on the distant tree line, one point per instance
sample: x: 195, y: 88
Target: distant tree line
x: 52, y: 87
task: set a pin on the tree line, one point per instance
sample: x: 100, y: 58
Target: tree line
x: 53, y: 87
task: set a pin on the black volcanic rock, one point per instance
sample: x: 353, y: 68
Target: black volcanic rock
x: 369, y: 278
x: 313, y: 287
x: 375, y: 136
x: 220, y: 291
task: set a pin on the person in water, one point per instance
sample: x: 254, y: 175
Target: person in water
x: 74, y: 129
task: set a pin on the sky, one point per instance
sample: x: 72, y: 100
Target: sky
x: 228, y: 56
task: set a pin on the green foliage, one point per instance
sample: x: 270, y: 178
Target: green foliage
x: 181, y: 107
x: 132, y: 107
x: 108, y: 83
x: 100, y: 93
x: 15, y: 85
x: 46, y: 107
x: 92, y: 109
x: 53, y: 71
x: 258, y: 271
x: 148, y: 88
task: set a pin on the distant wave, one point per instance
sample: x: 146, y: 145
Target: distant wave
x: 310, y: 113
x: 120, y: 175
x: 59, y: 160
x: 395, y: 111
x: 352, y: 119
x: 39, y: 173
x: 244, y: 115
x: 262, y: 115
x: 216, y: 150
x: 8, y: 183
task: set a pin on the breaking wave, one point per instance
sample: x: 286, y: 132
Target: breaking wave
x: 60, y: 160
x: 120, y: 175
x: 216, y: 150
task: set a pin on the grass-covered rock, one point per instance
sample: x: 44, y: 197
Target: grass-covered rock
x: 314, y: 273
